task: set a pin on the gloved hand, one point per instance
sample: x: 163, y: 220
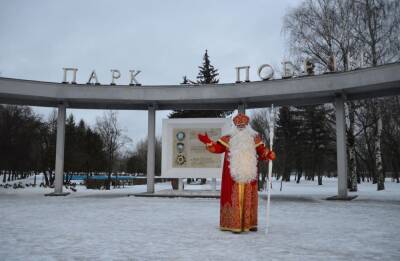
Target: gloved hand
x: 271, y: 155
x: 204, y: 138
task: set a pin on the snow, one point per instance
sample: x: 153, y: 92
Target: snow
x: 108, y: 225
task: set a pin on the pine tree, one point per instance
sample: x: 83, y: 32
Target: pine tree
x: 317, y: 137
x: 286, y: 134
x: 304, y: 142
x: 207, y: 75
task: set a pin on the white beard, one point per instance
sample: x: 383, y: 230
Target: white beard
x: 243, y: 156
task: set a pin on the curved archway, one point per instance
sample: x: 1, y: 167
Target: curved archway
x: 335, y: 87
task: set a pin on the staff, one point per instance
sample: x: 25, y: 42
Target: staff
x: 271, y: 123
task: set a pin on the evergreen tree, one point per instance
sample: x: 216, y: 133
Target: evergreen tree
x: 298, y: 140
x: 288, y: 143
x: 318, y: 138
x: 207, y: 75
x: 304, y: 142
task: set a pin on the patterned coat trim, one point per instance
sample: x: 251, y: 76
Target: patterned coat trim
x: 224, y: 140
x: 258, y: 141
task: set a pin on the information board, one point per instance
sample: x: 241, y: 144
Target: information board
x: 183, y: 155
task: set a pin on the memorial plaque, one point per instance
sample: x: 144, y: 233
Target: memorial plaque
x: 190, y: 152
x: 183, y: 155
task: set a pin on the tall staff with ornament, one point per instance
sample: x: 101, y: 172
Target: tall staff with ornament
x: 271, y: 123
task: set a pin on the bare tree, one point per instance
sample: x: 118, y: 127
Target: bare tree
x: 137, y: 159
x: 351, y: 146
x: 310, y: 28
x: 391, y: 134
x: 113, y: 139
x: 377, y: 27
x: 367, y: 30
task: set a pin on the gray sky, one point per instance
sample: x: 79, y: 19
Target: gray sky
x: 163, y: 39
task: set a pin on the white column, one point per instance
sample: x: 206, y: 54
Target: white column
x: 151, y: 155
x: 59, y: 174
x: 341, y: 146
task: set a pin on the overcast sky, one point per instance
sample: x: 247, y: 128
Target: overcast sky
x: 163, y: 39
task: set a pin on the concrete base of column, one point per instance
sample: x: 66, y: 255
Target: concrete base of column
x: 342, y: 198
x: 54, y: 194
x: 213, y: 184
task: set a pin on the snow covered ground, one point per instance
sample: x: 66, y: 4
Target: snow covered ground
x: 108, y: 225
